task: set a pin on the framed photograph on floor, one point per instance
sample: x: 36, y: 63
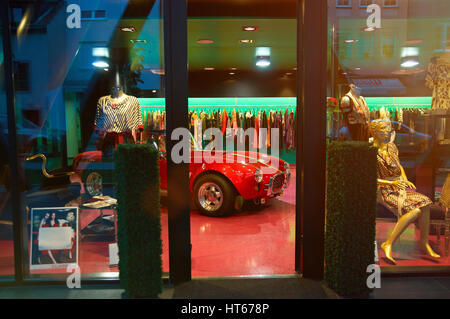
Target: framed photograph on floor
x: 54, y: 237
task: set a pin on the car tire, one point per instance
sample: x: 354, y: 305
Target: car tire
x: 214, y: 196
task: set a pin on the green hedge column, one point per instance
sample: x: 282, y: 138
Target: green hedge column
x: 351, y: 214
x: 139, y: 223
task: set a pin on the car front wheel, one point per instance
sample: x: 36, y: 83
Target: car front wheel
x: 214, y: 196
x: 93, y: 182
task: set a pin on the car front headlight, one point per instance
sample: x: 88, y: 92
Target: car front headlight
x: 258, y: 175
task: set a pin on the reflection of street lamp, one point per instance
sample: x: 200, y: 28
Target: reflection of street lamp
x: 101, y: 63
x: 409, y: 62
x: 263, y: 61
x: 262, y: 57
x: 410, y: 57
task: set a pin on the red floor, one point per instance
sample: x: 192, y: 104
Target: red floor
x: 406, y: 251
x: 248, y: 243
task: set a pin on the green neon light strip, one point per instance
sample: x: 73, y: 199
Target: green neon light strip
x: 227, y: 102
x: 374, y: 103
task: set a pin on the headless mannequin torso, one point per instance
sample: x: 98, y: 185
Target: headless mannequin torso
x: 356, y: 114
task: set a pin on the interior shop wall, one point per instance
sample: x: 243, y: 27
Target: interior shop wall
x: 241, y: 84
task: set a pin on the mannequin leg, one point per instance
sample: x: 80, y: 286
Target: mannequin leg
x: 424, y: 226
x: 399, y: 228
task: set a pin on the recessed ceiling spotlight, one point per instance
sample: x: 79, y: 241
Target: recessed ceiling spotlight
x: 153, y: 91
x: 139, y: 41
x: 288, y: 73
x: 233, y: 69
x: 246, y: 41
x: 357, y: 69
x: 295, y: 69
x: 205, y: 41
x: 249, y: 28
x: 414, y: 41
x: 158, y: 71
x: 128, y: 29
x: 209, y: 69
x: 231, y: 73
x: 350, y: 41
x: 369, y: 29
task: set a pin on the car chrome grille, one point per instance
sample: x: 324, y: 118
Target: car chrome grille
x: 278, y: 182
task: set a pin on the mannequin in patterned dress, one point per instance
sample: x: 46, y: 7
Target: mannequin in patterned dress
x: 398, y: 194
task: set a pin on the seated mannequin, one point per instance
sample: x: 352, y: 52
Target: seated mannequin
x: 356, y: 114
x: 398, y: 194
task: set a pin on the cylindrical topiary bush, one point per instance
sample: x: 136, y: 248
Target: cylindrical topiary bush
x: 138, y: 220
x: 351, y: 214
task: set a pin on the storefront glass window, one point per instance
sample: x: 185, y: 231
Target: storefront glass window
x: 6, y: 224
x: 76, y: 66
x: 242, y: 79
x: 395, y: 93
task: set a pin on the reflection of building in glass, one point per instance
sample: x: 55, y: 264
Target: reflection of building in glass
x: 56, y: 73
x: 406, y: 26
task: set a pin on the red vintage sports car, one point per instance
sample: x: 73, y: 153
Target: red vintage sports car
x: 217, y: 189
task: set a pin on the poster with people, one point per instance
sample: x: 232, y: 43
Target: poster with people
x: 54, y: 237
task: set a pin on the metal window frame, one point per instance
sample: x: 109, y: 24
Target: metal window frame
x: 391, y: 5
x: 365, y: 5
x: 344, y: 6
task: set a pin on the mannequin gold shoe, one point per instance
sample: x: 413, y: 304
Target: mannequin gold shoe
x: 429, y: 251
x: 387, y: 249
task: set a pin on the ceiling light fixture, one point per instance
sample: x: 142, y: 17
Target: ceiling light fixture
x: 409, y: 52
x: 246, y: 41
x: 414, y: 41
x: 262, y: 51
x: 100, y: 52
x: 350, y: 41
x: 101, y: 63
x: 410, y: 62
x: 262, y: 61
x: 369, y: 29
x: 139, y: 41
x: 231, y: 73
x: 205, y: 41
x: 157, y: 71
x: 128, y: 29
x: 249, y: 28
x: 209, y: 69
